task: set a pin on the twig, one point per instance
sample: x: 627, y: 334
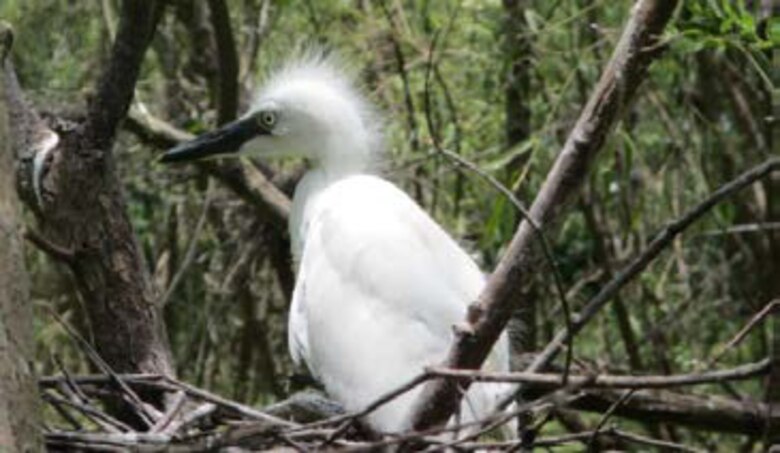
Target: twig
x: 69, y: 380
x: 553, y: 441
x: 607, y: 414
x: 175, y: 406
x: 135, y: 378
x: 554, y: 380
x: 65, y: 414
x: 231, y: 405
x: 204, y: 410
x: 140, y: 407
x: 770, y: 308
x: 168, y: 383
x: 256, y: 37
x: 349, y: 419
x: 477, y: 428
x: 104, y: 420
x: 55, y: 251
x: 95, y: 440
x: 189, y: 256
x: 643, y: 440
x: 759, y: 227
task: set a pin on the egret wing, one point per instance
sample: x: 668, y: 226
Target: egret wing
x: 381, y: 285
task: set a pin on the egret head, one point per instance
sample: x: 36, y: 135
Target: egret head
x: 308, y: 109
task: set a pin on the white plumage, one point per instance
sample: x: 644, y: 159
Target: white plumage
x: 379, y: 284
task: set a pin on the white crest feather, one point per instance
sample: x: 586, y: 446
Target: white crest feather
x: 326, y: 78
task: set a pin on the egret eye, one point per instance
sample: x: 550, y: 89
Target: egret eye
x: 267, y: 119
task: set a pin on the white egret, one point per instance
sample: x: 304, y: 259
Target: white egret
x: 379, y: 284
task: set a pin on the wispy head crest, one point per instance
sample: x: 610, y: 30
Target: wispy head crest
x: 318, y: 67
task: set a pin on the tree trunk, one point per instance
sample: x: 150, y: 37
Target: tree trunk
x: 68, y: 177
x: 19, y: 421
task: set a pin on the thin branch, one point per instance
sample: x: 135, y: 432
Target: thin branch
x: 144, y: 411
x: 607, y: 414
x: 644, y: 440
x: 204, y: 410
x: 376, y: 404
x: 231, y: 405
x: 104, y: 441
x: 617, y: 434
x: 153, y: 130
x: 259, y: 28
x: 770, y: 308
x: 189, y: 255
x: 167, y: 383
x: 554, y: 380
x: 105, y: 421
x: 177, y: 402
x: 55, y: 251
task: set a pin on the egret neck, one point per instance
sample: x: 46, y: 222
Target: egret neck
x: 313, y: 183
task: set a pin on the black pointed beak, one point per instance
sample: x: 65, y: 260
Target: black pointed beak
x: 223, y: 141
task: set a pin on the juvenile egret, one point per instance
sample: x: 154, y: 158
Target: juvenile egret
x: 379, y: 284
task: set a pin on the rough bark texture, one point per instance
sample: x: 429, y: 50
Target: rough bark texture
x: 82, y: 210
x: 637, y: 48
x: 19, y: 423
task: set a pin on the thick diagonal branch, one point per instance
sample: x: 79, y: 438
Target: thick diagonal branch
x: 638, y: 46
x: 137, y: 23
x: 227, y: 94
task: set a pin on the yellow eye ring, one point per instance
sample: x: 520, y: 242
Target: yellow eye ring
x: 268, y: 118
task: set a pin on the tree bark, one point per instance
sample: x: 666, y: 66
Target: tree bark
x: 81, y: 206
x: 638, y: 46
x: 19, y: 414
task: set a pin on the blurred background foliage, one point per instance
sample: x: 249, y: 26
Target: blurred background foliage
x: 507, y: 81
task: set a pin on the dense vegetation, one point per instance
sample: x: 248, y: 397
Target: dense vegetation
x: 498, y: 84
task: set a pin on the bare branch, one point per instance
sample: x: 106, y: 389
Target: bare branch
x: 137, y: 23
x: 64, y: 254
x: 227, y: 61
x: 770, y: 308
x: 555, y: 380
